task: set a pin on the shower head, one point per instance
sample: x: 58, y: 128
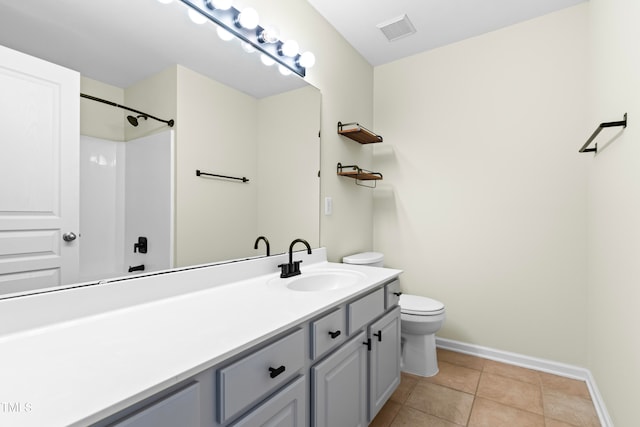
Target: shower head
x: 134, y: 120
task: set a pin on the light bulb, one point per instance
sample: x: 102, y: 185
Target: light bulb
x: 220, y: 4
x: 247, y: 47
x: 284, y: 70
x: 290, y: 48
x: 165, y: 1
x: 197, y: 17
x: 307, y: 60
x: 224, y: 34
x: 267, y: 60
x: 269, y: 34
x: 248, y: 18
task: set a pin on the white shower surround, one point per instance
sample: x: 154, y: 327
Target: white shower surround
x: 113, y: 215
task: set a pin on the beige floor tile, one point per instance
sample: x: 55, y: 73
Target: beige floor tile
x: 409, y: 417
x: 555, y: 423
x: 570, y: 409
x: 514, y: 372
x: 456, y: 377
x: 564, y: 385
x: 461, y: 359
x: 487, y: 413
x: 407, y: 384
x: 386, y: 415
x: 510, y: 392
x: 442, y: 402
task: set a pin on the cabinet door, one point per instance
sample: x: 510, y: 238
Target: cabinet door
x: 285, y: 409
x: 338, y: 387
x: 384, y: 360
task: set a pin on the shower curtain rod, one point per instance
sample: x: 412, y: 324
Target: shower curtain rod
x: 104, y: 101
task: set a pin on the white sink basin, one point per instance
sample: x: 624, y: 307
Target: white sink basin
x: 323, y: 280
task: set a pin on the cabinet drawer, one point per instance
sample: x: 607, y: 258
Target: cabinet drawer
x: 328, y: 332
x: 392, y: 293
x: 286, y: 408
x: 365, y: 309
x: 181, y: 408
x: 246, y: 381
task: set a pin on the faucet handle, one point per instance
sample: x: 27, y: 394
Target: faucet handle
x: 289, y: 270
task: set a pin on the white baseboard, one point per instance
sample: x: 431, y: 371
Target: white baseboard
x: 543, y: 365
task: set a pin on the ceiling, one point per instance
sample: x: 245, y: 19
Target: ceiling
x: 437, y: 22
x: 121, y: 42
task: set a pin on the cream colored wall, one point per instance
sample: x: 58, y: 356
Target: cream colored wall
x: 346, y: 82
x: 155, y: 95
x: 215, y: 137
x: 288, y: 159
x: 614, y: 208
x: 101, y: 120
x: 485, y: 196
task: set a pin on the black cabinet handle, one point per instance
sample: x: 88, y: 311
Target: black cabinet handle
x: 397, y: 293
x: 274, y: 372
x: 368, y: 344
x: 334, y: 335
x: 379, y: 335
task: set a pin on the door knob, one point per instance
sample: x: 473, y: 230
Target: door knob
x: 69, y: 237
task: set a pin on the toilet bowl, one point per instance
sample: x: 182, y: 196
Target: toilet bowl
x: 420, y: 319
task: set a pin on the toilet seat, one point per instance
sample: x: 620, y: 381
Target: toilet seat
x: 420, y: 306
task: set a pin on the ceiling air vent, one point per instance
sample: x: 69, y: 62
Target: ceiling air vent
x: 397, y: 28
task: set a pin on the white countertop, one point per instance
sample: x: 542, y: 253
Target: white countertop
x: 111, y: 349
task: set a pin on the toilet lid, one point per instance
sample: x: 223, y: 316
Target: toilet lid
x: 414, y: 304
x: 363, y: 258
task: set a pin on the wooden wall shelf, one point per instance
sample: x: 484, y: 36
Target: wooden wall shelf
x: 358, y: 133
x: 359, y: 174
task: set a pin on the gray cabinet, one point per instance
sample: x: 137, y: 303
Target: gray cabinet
x: 384, y: 360
x: 365, y: 309
x: 392, y: 294
x: 338, y: 387
x: 250, y: 379
x: 286, y: 409
x: 328, y: 332
x: 335, y: 370
x: 181, y: 408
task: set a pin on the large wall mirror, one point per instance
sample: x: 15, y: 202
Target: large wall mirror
x: 234, y: 117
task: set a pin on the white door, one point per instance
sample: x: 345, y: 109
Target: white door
x: 39, y: 140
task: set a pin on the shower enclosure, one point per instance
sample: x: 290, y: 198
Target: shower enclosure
x: 126, y: 199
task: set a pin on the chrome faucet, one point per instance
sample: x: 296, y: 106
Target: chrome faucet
x: 293, y: 268
x: 255, y: 245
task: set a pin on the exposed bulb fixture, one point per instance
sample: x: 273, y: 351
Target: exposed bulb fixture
x: 269, y: 34
x: 197, y: 17
x: 248, y: 18
x: 284, y: 70
x: 267, y: 60
x: 224, y: 34
x: 219, y: 4
x: 290, y: 48
x: 243, y: 23
x: 307, y: 60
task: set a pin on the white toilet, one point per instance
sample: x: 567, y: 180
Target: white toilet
x: 420, y: 319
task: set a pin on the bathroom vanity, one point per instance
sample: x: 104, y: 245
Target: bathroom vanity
x: 225, y: 345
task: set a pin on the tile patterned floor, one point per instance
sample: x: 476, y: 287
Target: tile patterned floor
x: 475, y: 392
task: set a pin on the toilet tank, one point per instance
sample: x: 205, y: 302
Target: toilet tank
x: 372, y: 259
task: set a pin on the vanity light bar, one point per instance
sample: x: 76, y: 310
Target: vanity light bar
x: 228, y: 19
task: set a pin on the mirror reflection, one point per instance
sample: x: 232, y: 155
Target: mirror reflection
x: 140, y: 200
